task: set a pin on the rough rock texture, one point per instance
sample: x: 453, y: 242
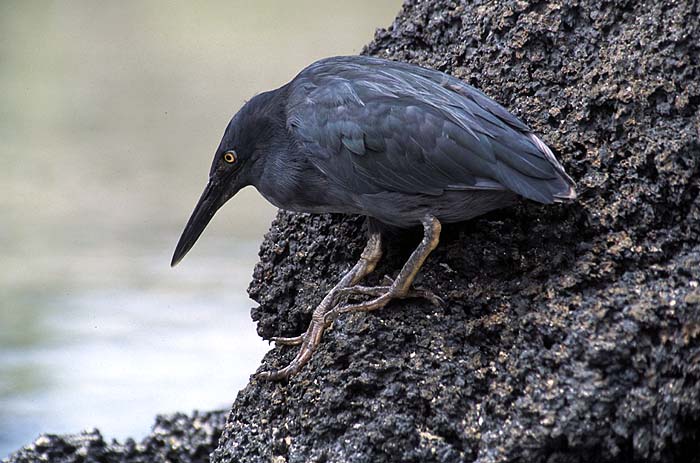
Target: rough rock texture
x: 175, y: 438
x: 572, y: 332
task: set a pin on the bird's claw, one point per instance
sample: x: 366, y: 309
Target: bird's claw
x: 291, y: 341
x: 333, y: 304
x: 273, y: 375
x: 309, y: 341
x: 359, y: 290
x: 431, y: 297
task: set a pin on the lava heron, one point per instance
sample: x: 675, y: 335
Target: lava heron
x: 400, y: 144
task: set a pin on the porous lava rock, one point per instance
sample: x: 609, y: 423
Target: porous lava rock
x: 175, y: 438
x: 570, y: 332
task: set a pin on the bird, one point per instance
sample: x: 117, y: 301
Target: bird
x: 403, y: 145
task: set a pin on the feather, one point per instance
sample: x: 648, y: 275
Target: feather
x: 407, y: 129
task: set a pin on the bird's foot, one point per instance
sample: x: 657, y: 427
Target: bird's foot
x: 310, y: 340
x: 382, y: 296
x: 329, y: 310
x: 378, y: 291
x: 400, y: 288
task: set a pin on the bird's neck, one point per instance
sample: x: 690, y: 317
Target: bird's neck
x: 267, y: 121
x: 280, y: 174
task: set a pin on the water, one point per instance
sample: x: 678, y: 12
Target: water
x: 109, y: 114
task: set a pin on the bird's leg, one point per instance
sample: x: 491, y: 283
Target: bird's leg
x: 312, y: 337
x: 401, y: 287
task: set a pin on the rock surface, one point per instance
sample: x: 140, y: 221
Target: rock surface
x: 176, y: 438
x: 570, y: 332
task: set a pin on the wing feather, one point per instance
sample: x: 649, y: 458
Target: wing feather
x: 374, y: 125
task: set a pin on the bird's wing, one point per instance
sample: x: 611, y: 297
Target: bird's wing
x: 373, y: 125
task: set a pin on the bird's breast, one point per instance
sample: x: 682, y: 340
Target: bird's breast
x: 314, y: 204
x: 305, y: 190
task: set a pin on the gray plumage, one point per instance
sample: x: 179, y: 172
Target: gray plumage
x: 388, y: 140
x: 394, y: 141
x: 400, y: 144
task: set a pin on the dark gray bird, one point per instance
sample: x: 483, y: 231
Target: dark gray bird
x: 397, y: 143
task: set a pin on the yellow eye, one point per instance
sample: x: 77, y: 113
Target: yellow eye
x: 230, y: 157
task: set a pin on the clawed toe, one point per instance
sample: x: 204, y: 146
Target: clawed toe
x: 430, y: 296
x: 378, y: 291
x: 310, y: 340
x: 335, y: 302
x: 358, y: 290
x: 292, y: 341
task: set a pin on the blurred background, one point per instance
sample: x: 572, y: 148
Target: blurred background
x: 109, y: 116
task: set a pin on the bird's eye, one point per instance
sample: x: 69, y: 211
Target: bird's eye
x: 230, y: 157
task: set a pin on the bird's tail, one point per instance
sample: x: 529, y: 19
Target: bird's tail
x: 567, y: 191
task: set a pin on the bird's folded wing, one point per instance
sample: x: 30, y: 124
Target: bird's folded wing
x: 404, y: 131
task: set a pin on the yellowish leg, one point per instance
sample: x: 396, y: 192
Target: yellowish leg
x: 312, y: 337
x: 325, y: 313
x: 401, y: 286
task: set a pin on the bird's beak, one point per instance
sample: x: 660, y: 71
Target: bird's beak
x: 210, y: 202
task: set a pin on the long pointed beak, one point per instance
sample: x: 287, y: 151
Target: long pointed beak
x: 205, y: 209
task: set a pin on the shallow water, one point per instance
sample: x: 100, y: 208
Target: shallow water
x: 109, y: 114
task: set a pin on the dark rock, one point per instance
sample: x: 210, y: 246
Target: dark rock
x: 571, y: 332
x: 176, y: 438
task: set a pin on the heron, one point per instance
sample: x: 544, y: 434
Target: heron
x: 403, y: 145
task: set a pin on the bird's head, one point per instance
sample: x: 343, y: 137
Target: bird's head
x: 244, y: 142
